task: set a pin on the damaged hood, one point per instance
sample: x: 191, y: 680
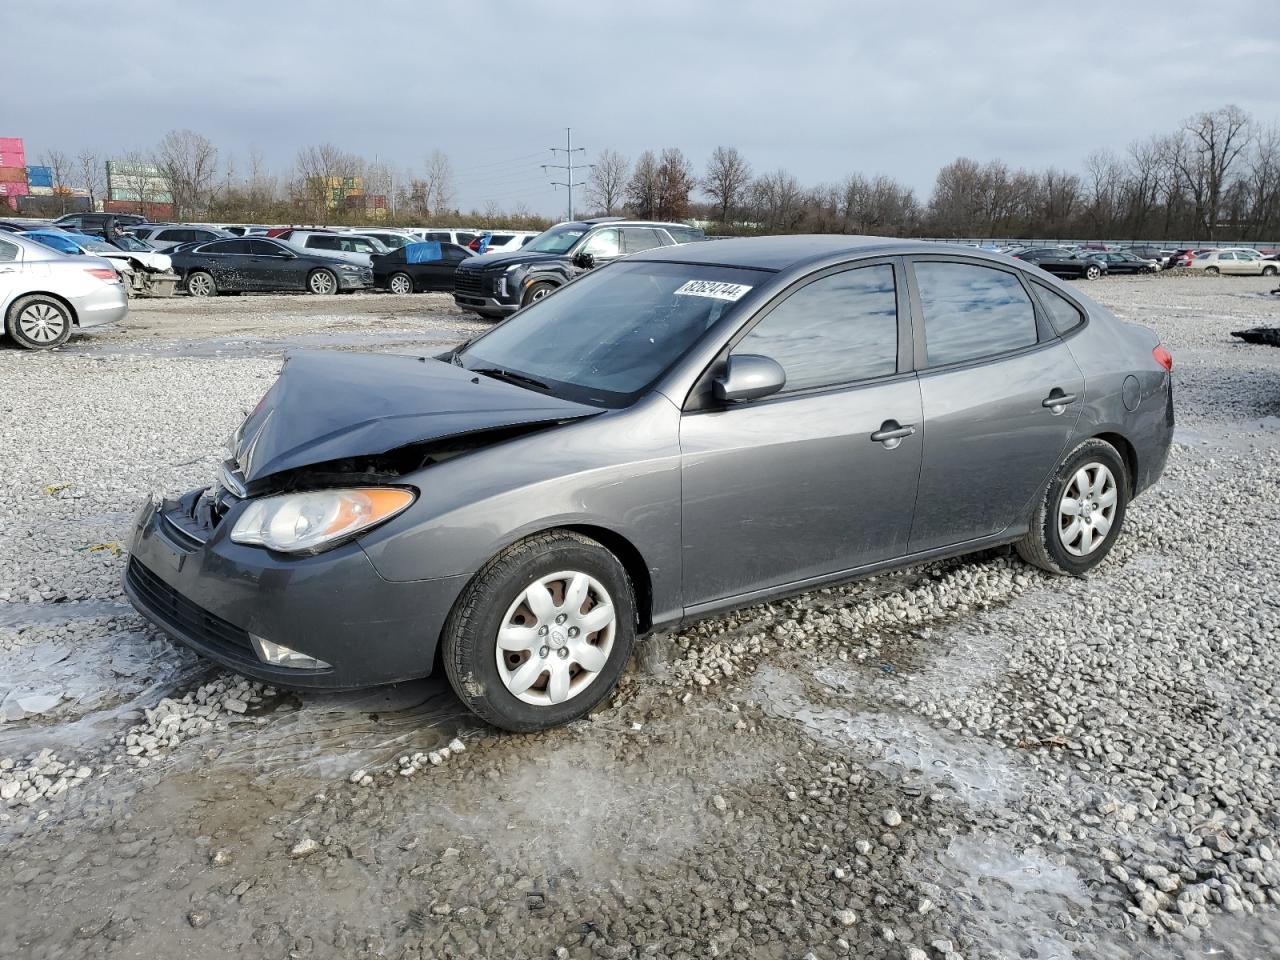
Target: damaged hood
x: 330, y: 405
x: 155, y: 262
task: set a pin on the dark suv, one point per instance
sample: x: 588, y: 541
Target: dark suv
x: 500, y: 284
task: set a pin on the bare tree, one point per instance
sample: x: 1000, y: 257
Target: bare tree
x: 675, y: 182
x: 60, y: 169
x: 644, y: 188
x: 1264, y: 182
x: 607, y: 185
x: 958, y: 198
x: 318, y: 173
x: 726, y: 180
x: 189, y: 162
x: 439, y: 182
x: 1105, y: 176
x: 90, y: 173
x: 1214, y: 142
x: 778, y: 201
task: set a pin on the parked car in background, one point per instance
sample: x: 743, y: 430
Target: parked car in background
x: 1149, y: 252
x: 1125, y: 262
x: 419, y: 267
x: 500, y: 241
x: 1181, y: 258
x: 45, y: 295
x: 391, y: 239
x: 342, y: 246
x: 241, y: 264
x: 95, y: 221
x: 461, y: 237
x: 689, y: 430
x: 1237, y: 262
x: 1064, y: 263
x: 500, y: 284
x: 166, y: 236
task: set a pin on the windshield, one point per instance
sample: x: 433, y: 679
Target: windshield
x: 95, y: 246
x: 606, y: 337
x: 557, y: 239
x: 126, y: 242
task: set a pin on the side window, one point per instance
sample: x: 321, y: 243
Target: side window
x: 464, y: 238
x: 972, y: 311
x: 8, y: 251
x: 1063, y: 314
x: 226, y: 246
x: 168, y: 236
x: 500, y: 239
x: 635, y: 239
x: 1226, y: 256
x: 838, y: 329
x: 261, y: 248
x: 439, y: 237
x: 320, y: 242
x: 602, y: 244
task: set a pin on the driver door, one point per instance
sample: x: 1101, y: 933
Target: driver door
x: 804, y: 483
x: 603, y: 245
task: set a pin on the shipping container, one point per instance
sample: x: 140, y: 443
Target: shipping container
x: 40, y: 176
x: 39, y: 206
x: 38, y: 191
x: 13, y: 174
x: 152, y: 211
x: 13, y: 189
x: 11, y: 145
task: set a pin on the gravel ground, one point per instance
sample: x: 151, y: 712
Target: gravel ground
x: 970, y: 759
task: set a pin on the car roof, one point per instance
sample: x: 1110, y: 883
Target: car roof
x: 784, y: 253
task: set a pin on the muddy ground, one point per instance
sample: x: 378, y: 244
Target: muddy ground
x: 969, y: 759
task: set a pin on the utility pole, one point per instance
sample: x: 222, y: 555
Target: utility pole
x: 568, y: 150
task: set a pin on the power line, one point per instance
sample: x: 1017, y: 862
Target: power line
x: 569, y: 150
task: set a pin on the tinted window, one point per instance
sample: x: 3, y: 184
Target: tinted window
x: 604, y: 243
x: 464, y: 238
x: 1063, y: 314
x: 635, y: 239
x: 972, y: 311
x: 323, y: 243
x: 452, y: 252
x: 263, y: 248
x: 686, y: 234
x: 176, y: 236
x: 835, y: 330
x: 500, y: 239
x: 226, y: 246
x: 8, y: 251
x: 361, y: 245
x: 439, y: 237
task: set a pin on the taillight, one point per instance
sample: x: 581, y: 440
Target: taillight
x: 474, y: 244
x: 1163, y: 356
x: 103, y: 274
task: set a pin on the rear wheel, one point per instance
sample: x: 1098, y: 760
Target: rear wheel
x: 542, y: 633
x: 38, y: 322
x: 1080, y: 515
x: 1211, y: 270
x: 322, y: 282
x: 401, y: 283
x: 536, y: 293
x: 200, y: 284
x: 1270, y: 271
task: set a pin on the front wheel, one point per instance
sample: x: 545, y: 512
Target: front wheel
x: 401, y: 283
x: 1080, y: 515
x: 37, y: 322
x: 542, y: 633
x: 200, y: 284
x: 322, y: 282
x: 536, y: 293
x: 1092, y: 273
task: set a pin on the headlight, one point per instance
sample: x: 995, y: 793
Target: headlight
x: 315, y: 521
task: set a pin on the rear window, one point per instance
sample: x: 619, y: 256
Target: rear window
x: 1063, y: 314
x: 438, y: 236
x: 498, y: 239
x: 8, y: 251
x: 972, y: 311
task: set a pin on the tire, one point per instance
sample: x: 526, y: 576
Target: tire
x: 400, y: 283
x: 200, y: 283
x: 322, y: 282
x: 536, y: 293
x: 1270, y: 271
x: 1212, y: 271
x: 1051, y: 547
x: 517, y: 693
x: 38, y: 322
x: 1092, y: 272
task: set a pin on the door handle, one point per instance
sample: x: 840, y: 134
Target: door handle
x: 892, y: 433
x: 1057, y: 401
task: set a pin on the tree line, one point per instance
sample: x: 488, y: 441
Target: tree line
x: 1216, y: 177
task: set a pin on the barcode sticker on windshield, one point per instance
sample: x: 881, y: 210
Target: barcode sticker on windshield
x: 714, y: 289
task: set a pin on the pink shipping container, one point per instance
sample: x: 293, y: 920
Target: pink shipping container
x: 12, y: 159
x: 11, y: 145
x: 13, y: 190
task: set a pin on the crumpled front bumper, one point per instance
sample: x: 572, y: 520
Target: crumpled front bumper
x: 333, y: 606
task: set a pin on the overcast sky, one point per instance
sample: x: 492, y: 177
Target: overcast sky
x: 820, y: 88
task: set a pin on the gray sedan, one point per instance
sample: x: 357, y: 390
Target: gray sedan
x: 682, y: 432
x: 46, y: 295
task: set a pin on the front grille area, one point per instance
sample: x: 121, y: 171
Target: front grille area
x: 186, y: 617
x: 469, y: 282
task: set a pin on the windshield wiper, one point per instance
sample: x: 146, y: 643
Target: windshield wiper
x: 511, y: 377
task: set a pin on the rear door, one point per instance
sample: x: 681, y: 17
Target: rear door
x: 793, y: 486
x: 1000, y: 393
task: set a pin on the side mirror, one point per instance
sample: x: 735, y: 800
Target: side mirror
x: 749, y: 377
x: 584, y: 260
